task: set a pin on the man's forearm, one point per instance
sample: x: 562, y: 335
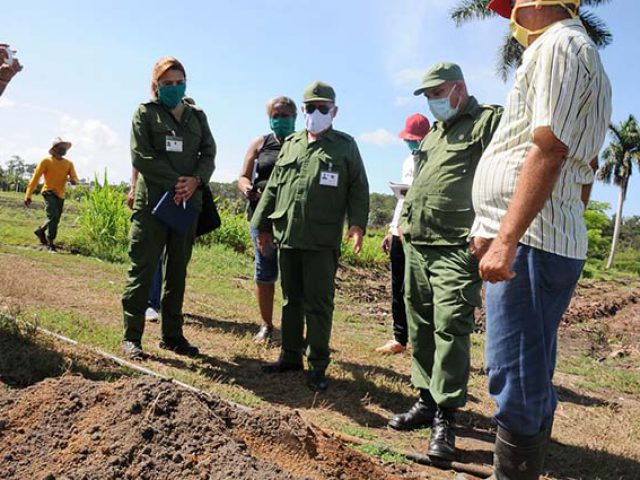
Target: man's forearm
x: 534, y: 186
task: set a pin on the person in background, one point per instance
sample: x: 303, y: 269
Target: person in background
x: 319, y: 179
x: 8, y: 67
x: 257, y: 167
x: 56, y: 170
x: 416, y: 128
x: 442, y: 286
x: 530, y: 192
x: 173, y: 150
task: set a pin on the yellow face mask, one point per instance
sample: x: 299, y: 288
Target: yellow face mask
x: 521, y: 34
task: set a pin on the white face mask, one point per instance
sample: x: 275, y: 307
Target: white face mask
x: 316, y: 122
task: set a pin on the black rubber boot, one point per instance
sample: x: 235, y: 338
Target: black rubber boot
x: 442, y: 444
x: 282, y: 366
x: 519, y: 457
x: 420, y: 415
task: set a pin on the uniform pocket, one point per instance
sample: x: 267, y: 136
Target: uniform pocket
x: 449, y: 218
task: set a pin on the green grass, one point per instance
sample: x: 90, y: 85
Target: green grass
x: 597, y: 375
x: 382, y: 451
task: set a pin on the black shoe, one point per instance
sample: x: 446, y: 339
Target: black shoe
x: 134, y: 350
x: 519, y: 457
x: 282, y: 366
x: 442, y: 444
x: 179, y: 345
x: 317, y: 381
x: 39, y: 232
x: 420, y: 415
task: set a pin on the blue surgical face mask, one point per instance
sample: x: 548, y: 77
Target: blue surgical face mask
x: 442, y: 109
x: 171, y: 95
x: 413, y: 144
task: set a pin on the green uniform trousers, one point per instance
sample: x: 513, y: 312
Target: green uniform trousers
x: 53, y: 208
x: 149, y: 237
x: 442, y: 288
x: 308, y: 287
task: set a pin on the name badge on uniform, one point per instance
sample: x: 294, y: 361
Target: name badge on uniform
x: 329, y: 179
x: 174, y: 144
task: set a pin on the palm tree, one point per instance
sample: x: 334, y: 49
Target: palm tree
x: 511, y: 52
x: 619, y: 157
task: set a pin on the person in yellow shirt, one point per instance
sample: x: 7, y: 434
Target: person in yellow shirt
x: 56, y: 169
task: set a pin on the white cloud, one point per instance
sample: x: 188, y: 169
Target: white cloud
x: 92, y: 135
x: 408, y: 78
x: 380, y: 138
x: 6, y: 103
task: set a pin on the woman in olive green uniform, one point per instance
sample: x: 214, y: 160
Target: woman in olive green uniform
x: 173, y: 150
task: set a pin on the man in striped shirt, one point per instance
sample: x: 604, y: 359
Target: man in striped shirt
x: 529, y: 194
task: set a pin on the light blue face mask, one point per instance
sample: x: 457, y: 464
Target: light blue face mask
x: 413, y: 144
x: 442, y: 109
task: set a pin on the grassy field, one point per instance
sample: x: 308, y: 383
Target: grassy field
x: 597, y: 430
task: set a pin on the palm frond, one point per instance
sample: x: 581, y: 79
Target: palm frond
x: 468, y: 10
x: 509, y: 56
x: 594, y: 3
x: 597, y: 29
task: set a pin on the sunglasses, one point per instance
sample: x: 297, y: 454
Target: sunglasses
x: 324, y: 109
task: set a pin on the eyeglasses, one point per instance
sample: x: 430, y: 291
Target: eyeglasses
x: 324, y: 109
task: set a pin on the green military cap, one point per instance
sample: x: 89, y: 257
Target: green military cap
x: 438, y: 74
x: 319, y: 92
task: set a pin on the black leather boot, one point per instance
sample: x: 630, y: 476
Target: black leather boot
x: 442, y: 444
x: 519, y: 457
x: 420, y: 415
x: 282, y: 366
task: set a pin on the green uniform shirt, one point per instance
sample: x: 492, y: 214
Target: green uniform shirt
x: 159, y: 168
x: 438, y: 208
x: 311, y: 189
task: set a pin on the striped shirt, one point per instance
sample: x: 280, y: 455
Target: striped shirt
x: 561, y: 85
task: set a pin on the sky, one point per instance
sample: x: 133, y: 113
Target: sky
x: 87, y: 66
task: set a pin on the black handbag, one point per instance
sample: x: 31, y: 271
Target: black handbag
x: 209, y: 218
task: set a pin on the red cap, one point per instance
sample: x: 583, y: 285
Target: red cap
x: 501, y: 7
x: 415, y: 128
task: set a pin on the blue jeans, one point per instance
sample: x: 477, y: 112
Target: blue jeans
x: 523, y: 316
x: 267, y: 264
x: 156, y: 287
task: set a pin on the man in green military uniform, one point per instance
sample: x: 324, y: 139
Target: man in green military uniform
x: 318, y: 179
x: 442, y: 286
x: 173, y: 150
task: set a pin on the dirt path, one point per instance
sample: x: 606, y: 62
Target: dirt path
x: 365, y: 389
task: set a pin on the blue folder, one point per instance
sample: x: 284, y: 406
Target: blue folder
x: 177, y: 217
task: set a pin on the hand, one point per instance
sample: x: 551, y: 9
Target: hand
x: 8, y: 71
x: 264, y: 240
x: 185, y: 188
x: 357, y: 234
x: 496, y: 263
x: 478, y: 246
x: 131, y: 196
x: 27, y: 202
x: 386, y: 243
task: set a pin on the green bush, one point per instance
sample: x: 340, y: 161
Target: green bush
x: 371, y: 254
x: 233, y: 233
x: 103, y: 223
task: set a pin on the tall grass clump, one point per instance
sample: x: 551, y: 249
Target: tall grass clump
x: 103, y: 222
x: 371, y: 254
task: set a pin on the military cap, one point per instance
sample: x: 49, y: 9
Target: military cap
x: 438, y: 74
x: 319, y: 92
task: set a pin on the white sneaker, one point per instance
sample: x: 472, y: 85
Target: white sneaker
x: 151, y: 315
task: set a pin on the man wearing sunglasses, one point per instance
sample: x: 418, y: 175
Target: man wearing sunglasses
x: 318, y: 180
x: 442, y: 286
